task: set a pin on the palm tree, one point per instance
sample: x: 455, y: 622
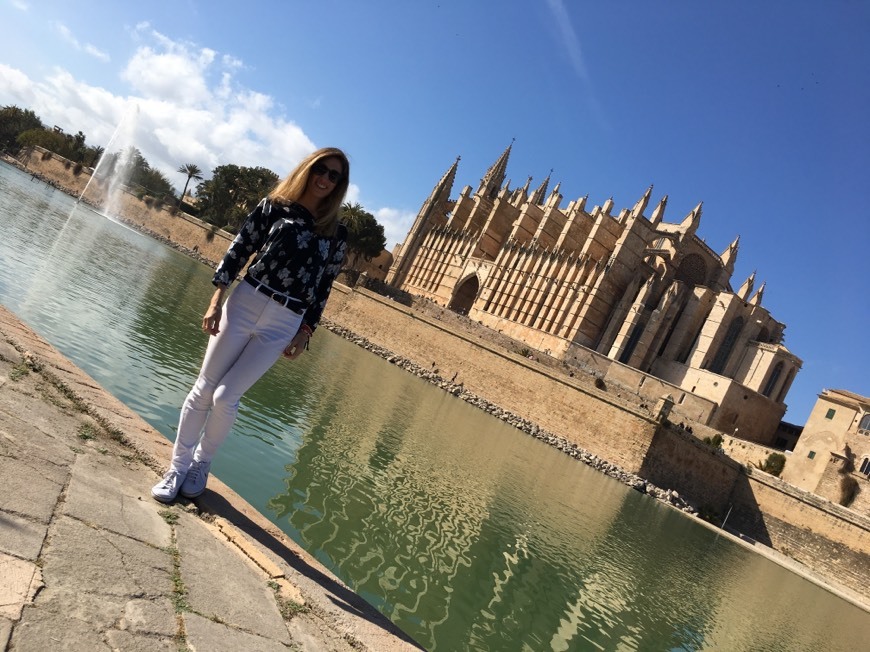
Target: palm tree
x: 193, y: 172
x: 365, y: 237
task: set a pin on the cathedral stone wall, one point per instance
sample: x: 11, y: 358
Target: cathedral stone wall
x: 595, y: 420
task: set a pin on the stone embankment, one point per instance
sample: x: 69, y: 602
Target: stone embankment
x: 571, y: 449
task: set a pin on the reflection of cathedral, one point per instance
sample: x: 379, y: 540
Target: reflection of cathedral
x: 635, y: 289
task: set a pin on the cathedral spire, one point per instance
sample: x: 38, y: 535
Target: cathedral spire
x: 541, y: 193
x: 729, y: 256
x: 441, y: 191
x: 494, y: 177
x: 746, y: 289
x: 526, y: 187
x: 659, y: 212
x: 756, y: 300
x: 641, y: 204
x: 693, y: 220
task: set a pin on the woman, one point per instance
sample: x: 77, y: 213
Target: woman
x: 299, y: 247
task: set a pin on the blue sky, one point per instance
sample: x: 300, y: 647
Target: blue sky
x: 758, y: 109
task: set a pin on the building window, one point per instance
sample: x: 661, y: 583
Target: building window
x: 831, y: 413
x: 864, y: 426
x: 771, y: 382
x: 718, y: 364
x: 865, y: 466
x: 812, y: 455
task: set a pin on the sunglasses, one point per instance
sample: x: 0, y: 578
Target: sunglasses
x: 319, y: 169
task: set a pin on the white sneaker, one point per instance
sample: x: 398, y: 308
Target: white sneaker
x: 167, y: 489
x: 197, y: 476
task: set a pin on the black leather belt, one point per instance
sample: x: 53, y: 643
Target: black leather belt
x: 296, y: 305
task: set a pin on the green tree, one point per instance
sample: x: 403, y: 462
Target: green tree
x: 233, y: 192
x: 133, y: 170
x: 13, y: 122
x: 93, y: 155
x: 54, y: 141
x: 193, y: 172
x: 365, y: 237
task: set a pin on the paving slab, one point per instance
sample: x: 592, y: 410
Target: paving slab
x: 21, y: 579
x: 155, y: 617
x: 112, y: 496
x: 25, y: 402
x: 5, y: 631
x: 121, y: 640
x: 249, y: 604
x: 204, y: 634
x: 97, y: 561
x: 41, y: 630
x: 99, y: 611
x: 27, y: 490
x: 20, y: 536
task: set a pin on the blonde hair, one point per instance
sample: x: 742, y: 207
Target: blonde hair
x: 292, y: 187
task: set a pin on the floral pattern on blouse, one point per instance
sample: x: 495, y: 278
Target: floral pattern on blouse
x: 291, y: 257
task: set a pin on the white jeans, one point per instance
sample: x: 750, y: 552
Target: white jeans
x: 254, y: 330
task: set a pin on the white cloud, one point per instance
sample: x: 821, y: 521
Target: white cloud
x: 20, y: 5
x: 396, y: 224
x: 68, y: 36
x: 96, y: 53
x: 574, y: 52
x: 191, y: 109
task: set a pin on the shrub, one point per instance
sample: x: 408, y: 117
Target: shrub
x: 77, y: 169
x: 848, y: 490
x: 600, y: 384
x: 774, y: 464
x: 715, y: 441
x: 46, y: 156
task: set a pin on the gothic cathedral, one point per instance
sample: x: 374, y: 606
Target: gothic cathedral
x: 649, y: 296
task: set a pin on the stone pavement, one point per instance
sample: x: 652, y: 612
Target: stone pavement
x: 89, y: 561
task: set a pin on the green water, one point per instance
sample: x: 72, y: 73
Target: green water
x: 468, y: 534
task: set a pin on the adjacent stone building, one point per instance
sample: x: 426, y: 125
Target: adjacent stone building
x: 573, y: 282
x: 835, y: 444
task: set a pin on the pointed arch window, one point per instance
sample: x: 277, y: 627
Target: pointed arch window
x: 865, y: 466
x: 771, y: 382
x: 724, y: 352
x: 864, y: 426
x: 785, y: 386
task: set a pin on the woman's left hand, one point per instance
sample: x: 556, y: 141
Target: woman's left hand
x: 296, y: 346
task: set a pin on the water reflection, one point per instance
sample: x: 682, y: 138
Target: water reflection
x: 468, y: 534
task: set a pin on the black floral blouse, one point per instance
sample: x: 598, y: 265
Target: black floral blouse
x: 291, y: 257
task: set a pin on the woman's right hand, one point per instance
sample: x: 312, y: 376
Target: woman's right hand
x: 211, y: 320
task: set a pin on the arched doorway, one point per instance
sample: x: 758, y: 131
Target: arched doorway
x: 466, y: 293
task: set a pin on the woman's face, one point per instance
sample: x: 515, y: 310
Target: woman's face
x: 324, y: 176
